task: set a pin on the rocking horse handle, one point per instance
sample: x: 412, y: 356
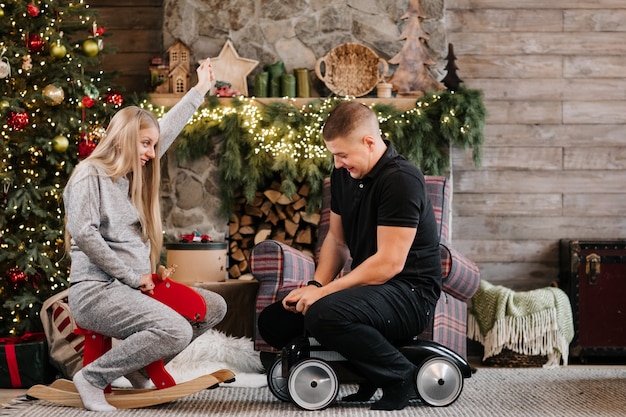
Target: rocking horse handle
x: 163, y: 272
x: 181, y: 298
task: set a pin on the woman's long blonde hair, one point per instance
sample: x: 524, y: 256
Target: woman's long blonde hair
x: 119, y: 155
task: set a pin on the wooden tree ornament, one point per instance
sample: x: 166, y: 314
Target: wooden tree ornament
x: 452, y: 79
x: 412, y: 77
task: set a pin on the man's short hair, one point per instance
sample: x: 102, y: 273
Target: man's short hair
x: 345, y: 118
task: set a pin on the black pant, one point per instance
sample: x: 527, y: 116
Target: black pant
x: 361, y: 323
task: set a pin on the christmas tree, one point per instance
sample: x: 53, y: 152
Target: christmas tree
x: 412, y: 78
x: 452, y: 79
x: 54, y: 104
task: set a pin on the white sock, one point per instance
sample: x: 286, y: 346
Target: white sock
x: 138, y: 380
x: 93, y: 397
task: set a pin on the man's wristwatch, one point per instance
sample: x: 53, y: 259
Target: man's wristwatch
x: 316, y: 283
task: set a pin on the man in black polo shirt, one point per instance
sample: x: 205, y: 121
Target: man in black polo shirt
x: 382, y: 217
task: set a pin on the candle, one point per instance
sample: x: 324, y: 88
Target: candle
x: 288, y: 85
x: 260, y: 84
x: 274, y: 87
x: 302, y: 82
x: 276, y: 70
x: 384, y: 89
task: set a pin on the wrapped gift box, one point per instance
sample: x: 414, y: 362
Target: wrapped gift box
x: 24, y: 361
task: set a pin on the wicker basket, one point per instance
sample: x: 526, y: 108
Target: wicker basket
x: 351, y: 69
x: 511, y: 359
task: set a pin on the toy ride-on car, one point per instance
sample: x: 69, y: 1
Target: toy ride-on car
x: 308, y: 375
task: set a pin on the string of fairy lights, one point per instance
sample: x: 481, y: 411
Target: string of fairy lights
x: 283, y: 137
x: 287, y: 141
x: 277, y: 142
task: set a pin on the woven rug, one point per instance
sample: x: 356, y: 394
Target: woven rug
x: 573, y: 391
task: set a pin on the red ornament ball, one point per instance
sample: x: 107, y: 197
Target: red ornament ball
x: 35, y: 43
x: 88, y: 102
x: 86, y: 147
x: 17, y: 121
x: 33, y: 10
x: 35, y: 279
x: 16, y: 276
x: 114, y: 98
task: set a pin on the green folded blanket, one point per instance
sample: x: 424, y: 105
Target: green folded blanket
x: 537, y: 322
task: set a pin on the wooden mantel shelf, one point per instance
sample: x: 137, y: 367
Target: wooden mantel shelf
x: 403, y: 103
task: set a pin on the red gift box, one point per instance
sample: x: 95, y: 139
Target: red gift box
x: 24, y: 361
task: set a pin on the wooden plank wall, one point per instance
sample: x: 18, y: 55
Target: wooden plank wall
x: 554, y: 165
x: 135, y: 31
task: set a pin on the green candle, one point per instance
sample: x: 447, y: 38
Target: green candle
x: 288, y: 85
x: 260, y: 84
x: 276, y: 71
x: 274, y: 87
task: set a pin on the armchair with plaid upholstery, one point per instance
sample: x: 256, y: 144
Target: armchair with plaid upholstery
x: 279, y: 268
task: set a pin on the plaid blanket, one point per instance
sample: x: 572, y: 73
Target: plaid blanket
x: 537, y: 322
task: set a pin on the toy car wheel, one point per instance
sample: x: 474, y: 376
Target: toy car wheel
x: 313, y: 384
x: 439, y: 381
x: 277, y: 383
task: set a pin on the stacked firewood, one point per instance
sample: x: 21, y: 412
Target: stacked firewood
x: 270, y: 215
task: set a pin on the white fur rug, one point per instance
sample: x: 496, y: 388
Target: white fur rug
x: 213, y: 351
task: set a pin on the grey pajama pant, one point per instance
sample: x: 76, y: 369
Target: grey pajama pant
x: 148, y: 330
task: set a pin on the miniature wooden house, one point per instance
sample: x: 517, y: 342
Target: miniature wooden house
x: 172, y: 77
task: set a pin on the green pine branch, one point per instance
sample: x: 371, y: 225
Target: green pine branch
x: 277, y: 139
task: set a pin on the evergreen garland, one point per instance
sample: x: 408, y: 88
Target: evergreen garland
x: 260, y: 142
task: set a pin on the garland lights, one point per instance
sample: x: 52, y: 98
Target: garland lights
x: 262, y: 142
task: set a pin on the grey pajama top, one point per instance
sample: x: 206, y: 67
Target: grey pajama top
x: 107, y: 242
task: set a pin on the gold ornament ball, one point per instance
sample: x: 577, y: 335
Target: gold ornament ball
x: 53, y: 95
x: 4, y: 104
x: 60, y: 143
x: 58, y: 50
x: 1, y: 12
x: 90, y: 47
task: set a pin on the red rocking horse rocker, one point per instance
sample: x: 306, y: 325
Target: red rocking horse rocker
x: 180, y: 298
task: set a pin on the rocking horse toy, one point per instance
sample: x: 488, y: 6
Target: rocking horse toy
x: 180, y: 298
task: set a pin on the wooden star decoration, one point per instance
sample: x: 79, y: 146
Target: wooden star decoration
x: 228, y: 66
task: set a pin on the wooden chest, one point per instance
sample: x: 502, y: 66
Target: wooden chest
x: 593, y: 274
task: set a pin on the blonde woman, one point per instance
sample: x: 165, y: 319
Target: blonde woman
x: 114, y: 221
